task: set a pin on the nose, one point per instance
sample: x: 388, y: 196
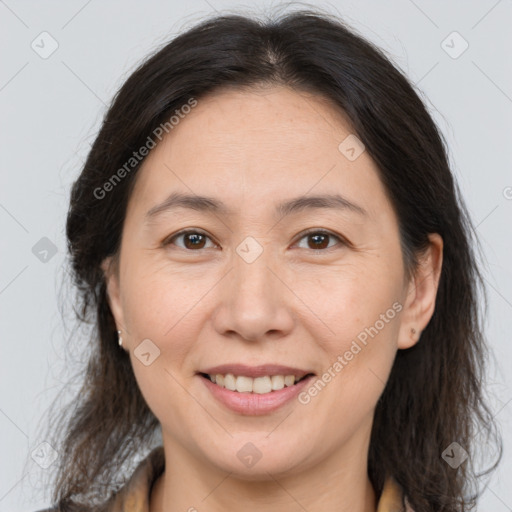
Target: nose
x: 255, y: 302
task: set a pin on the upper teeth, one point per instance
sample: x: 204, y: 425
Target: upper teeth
x: 258, y: 385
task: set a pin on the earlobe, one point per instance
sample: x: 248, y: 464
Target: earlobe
x: 419, y: 303
x: 408, y: 339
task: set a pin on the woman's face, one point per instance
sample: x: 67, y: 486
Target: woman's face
x: 249, y: 286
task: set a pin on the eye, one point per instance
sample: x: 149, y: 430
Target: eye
x: 320, y: 239
x: 193, y: 239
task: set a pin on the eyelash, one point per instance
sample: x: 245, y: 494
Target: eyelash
x: 341, y: 240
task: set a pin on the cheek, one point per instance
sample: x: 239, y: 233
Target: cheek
x: 158, y: 300
x: 352, y: 302
x: 161, y: 320
x: 165, y: 391
x: 165, y: 305
x: 357, y: 365
x: 360, y: 318
x: 164, y: 312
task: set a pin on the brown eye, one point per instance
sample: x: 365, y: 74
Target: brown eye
x: 196, y: 240
x: 319, y: 240
x: 192, y: 240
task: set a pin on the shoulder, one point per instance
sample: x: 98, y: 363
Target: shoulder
x: 70, y: 508
x: 393, y: 498
x: 135, y: 490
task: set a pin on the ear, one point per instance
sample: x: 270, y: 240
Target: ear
x: 111, y: 274
x: 421, y: 293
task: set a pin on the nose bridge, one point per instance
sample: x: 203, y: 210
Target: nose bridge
x: 254, y: 301
x: 253, y: 281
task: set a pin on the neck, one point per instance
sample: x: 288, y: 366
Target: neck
x: 330, y: 486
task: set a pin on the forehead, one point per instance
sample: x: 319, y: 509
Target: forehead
x: 250, y: 147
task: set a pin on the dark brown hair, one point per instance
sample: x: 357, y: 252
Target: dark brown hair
x: 434, y: 395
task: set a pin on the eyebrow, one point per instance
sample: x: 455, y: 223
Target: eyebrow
x: 295, y: 205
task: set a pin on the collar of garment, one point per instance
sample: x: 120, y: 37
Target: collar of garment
x: 134, y: 495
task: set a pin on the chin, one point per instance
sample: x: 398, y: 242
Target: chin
x: 258, y: 456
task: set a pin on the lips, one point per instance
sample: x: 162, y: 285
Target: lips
x: 262, y: 399
x: 255, y: 371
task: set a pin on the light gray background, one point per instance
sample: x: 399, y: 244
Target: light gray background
x: 51, y: 109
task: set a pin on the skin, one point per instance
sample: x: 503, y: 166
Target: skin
x: 293, y: 305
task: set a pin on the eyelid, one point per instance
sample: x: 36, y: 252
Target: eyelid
x: 187, y: 231
x: 341, y: 240
x: 321, y: 231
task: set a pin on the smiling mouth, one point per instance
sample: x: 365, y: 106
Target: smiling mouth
x: 258, y: 385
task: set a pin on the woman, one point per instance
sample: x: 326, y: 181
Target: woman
x: 269, y: 242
